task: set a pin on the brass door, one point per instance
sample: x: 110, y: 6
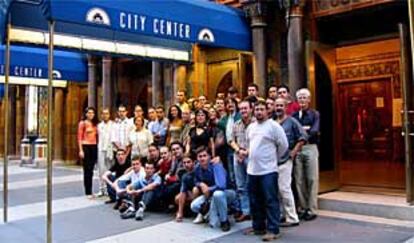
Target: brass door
x: 320, y: 62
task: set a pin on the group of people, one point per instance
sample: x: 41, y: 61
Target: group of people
x: 254, y: 158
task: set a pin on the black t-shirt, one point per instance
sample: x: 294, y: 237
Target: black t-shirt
x: 120, y: 169
x: 198, y: 140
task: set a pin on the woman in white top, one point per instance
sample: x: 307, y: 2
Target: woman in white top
x: 140, y: 139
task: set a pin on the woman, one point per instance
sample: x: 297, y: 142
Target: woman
x: 176, y: 124
x: 88, y: 150
x: 200, y: 135
x: 140, y: 139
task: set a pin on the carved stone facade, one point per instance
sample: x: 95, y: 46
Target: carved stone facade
x: 330, y: 7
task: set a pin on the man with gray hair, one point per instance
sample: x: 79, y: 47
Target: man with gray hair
x: 306, y: 169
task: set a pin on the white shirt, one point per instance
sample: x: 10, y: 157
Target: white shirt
x: 120, y: 132
x: 104, y: 136
x: 140, y: 142
x: 132, y: 176
x: 267, y: 143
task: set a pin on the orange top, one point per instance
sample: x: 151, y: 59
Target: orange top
x: 87, y: 133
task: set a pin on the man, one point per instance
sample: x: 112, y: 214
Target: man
x: 226, y: 125
x: 211, y: 184
x: 201, y: 101
x: 292, y: 106
x: 267, y: 143
x: 116, y: 171
x: 121, y: 130
x: 270, y: 106
x: 253, y: 90
x: 138, y: 112
x: 174, y: 175
x: 164, y: 164
x: 152, y: 115
x: 187, y: 184
x: 238, y: 143
x: 220, y: 107
x: 105, y: 153
x: 143, y: 193
x: 272, y: 92
x: 306, y: 170
x: 153, y: 153
x: 296, y: 138
x: 131, y: 175
x: 186, y: 118
x: 181, y: 101
x: 232, y: 92
x: 159, y: 127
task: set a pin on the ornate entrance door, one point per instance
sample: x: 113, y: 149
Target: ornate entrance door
x: 366, y: 135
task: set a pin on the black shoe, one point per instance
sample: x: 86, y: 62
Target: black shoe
x: 117, y: 205
x: 225, y: 226
x: 310, y: 216
x: 124, y: 206
x: 302, y: 214
x: 109, y: 201
x: 286, y: 224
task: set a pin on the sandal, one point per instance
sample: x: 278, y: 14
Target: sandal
x: 178, y: 219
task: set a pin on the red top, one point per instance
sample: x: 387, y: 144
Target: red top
x: 87, y: 133
x: 164, y: 167
x: 292, y: 107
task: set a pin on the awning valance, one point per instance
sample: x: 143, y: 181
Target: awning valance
x: 29, y: 65
x: 163, y: 29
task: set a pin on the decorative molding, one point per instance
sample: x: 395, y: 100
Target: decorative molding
x: 330, y: 7
x: 255, y: 9
x: 374, y: 57
x: 358, y: 72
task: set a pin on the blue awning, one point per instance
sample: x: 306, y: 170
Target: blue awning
x: 174, y: 24
x: 31, y: 62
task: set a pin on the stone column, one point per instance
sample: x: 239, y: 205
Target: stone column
x: 256, y: 11
x: 295, y: 44
x: 107, y: 82
x: 168, y: 85
x: 92, y: 81
x: 156, y: 84
x: 58, y: 120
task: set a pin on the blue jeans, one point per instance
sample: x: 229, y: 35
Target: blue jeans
x: 264, y: 202
x: 230, y: 166
x: 241, y: 183
x: 218, y: 206
x: 111, y: 191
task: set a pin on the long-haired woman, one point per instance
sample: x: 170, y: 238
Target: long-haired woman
x: 175, y: 126
x: 87, y: 142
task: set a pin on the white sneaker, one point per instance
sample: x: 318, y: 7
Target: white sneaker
x: 199, y: 219
x: 139, y: 215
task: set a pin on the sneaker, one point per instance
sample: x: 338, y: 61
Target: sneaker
x: 129, y: 213
x: 100, y: 194
x: 225, y: 226
x: 270, y: 237
x: 199, y: 219
x: 139, y: 215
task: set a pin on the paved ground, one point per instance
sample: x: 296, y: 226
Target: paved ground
x: 77, y: 219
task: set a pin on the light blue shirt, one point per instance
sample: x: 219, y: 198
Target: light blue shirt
x: 143, y: 182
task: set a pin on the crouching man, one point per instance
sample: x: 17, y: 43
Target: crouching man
x: 211, y: 184
x: 143, y: 193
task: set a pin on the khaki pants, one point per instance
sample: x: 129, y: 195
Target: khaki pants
x: 306, y: 172
x: 285, y: 192
x: 104, y: 163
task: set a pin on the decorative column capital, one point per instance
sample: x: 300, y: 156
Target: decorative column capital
x: 256, y: 10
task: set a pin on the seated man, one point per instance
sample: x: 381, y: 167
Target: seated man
x: 211, y: 183
x: 187, y: 185
x: 143, y: 193
x: 116, y: 171
x: 172, y: 182
x: 132, y: 175
x: 164, y: 164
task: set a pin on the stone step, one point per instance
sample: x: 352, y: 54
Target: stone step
x: 383, y: 206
